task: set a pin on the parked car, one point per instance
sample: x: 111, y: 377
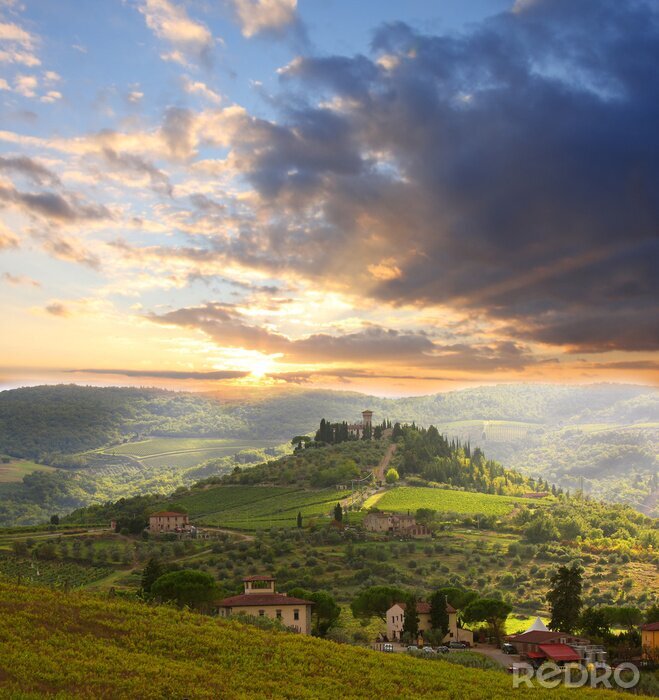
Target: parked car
x: 457, y: 645
x: 388, y: 647
x: 412, y: 649
x: 443, y: 649
x: 429, y: 650
x: 508, y: 648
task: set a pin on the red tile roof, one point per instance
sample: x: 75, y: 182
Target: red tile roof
x: 650, y: 627
x: 559, y: 652
x: 424, y: 608
x: 540, y: 636
x: 165, y: 513
x: 255, y: 599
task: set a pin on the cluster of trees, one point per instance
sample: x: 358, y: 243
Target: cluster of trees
x: 335, y: 433
x: 331, y: 465
x: 427, y: 453
x: 581, y: 518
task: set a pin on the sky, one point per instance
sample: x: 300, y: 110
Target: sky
x: 391, y: 197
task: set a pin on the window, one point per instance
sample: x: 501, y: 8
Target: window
x: 296, y: 614
x: 261, y: 613
x: 278, y: 614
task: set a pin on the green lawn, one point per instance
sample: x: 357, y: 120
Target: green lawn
x: 18, y: 468
x: 411, y: 498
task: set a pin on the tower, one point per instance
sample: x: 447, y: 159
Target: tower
x: 367, y: 416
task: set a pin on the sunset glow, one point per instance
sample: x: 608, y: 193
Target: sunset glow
x: 200, y: 195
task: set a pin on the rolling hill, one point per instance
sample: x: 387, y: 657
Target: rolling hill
x: 85, y: 646
x: 121, y: 441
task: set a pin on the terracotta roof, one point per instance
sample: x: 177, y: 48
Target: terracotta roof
x: 424, y: 608
x: 165, y: 513
x: 560, y: 652
x: 259, y: 578
x: 255, y: 599
x: 650, y: 627
x: 539, y: 636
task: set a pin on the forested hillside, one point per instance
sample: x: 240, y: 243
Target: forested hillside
x: 603, y: 437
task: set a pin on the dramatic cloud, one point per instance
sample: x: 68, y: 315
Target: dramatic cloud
x: 512, y: 170
x: 229, y: 328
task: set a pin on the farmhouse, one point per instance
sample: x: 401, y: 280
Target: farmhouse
x: 395, y: 524
x: 261, y: 599
x: 650, y: 640
x: 396, y: 620
x: 168, y: 521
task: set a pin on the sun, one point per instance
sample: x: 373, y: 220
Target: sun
x: 260, y: 367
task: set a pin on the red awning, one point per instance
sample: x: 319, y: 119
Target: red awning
x: 535, y: 655
x: 559, y: 652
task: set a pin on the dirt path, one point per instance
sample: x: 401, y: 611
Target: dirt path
x: 380, y: 470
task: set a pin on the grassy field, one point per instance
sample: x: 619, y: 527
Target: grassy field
x: 166, y: 446
x: 182, y: 452
x: 258, y: 507
x: 16, y: 469
x: 71, y: 645
x: 411, y: 498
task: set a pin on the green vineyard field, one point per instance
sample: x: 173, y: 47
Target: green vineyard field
x: 85, y: 646
x: 256, y: 507
x: 411, y: 498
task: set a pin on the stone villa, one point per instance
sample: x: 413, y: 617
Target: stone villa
x: 396, y: 620
x: 168, y: 521
x: 395, y: 524
x: 260, y: 599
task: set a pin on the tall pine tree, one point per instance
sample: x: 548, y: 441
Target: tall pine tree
x: 411, y: 622
x: 438, y: 612
x: 564, y: 598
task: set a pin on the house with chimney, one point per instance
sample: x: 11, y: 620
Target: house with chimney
x: 261, y: 599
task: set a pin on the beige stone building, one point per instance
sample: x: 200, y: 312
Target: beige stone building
x: 261, y: 599
x: 168, y: 521
x: 395, y: 524
x: 396, y: 620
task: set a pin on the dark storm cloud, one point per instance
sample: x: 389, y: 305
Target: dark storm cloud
x: 513, y: 169
x: 228, y: 328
